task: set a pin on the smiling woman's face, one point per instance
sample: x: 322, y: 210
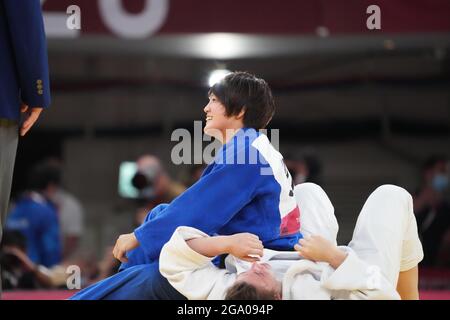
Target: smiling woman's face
x: 261, y: 276
x: 217, y: 122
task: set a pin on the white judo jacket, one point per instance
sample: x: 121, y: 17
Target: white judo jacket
x: 197, y: 278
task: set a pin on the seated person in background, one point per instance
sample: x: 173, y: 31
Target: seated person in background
x: 379, y: 263
x: 70, y: 212
x: 17, y: 269
x: 35, y: 216
x: 432, y: 210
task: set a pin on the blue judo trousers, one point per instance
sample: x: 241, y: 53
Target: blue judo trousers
x: 139, y: 282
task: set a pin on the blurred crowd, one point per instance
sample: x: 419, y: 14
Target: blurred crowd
x: 45, y: 223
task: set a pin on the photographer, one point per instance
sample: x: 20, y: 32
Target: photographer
x: 18, y: 271
x: 154, y: 185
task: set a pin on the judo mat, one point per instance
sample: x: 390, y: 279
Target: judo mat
x: 64, y: 294
x: 434, y: 284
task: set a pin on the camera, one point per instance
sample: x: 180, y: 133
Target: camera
x: 135, y: 182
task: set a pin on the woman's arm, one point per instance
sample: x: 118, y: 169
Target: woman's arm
x: 362, y: 280
x: 185, y: 261
x: 244, y: 246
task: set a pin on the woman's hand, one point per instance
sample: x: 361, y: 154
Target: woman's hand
x: 245, y: 246
x: 319, y: 249
x: 125, y: 243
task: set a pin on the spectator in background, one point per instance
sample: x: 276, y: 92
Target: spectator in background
x: 70, y: 213
x: 154, y: 182
x: 432, y: 209
x: 36, y: 218
x: 305, y: 168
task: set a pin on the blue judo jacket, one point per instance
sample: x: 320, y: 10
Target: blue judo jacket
x: 246, y: 189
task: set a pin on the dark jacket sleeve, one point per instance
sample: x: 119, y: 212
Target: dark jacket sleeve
x: 27, y: 34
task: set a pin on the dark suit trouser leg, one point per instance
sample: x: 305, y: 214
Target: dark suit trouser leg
x: 9, y: 139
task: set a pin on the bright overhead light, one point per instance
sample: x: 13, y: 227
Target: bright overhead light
x: 222, y: 45
x: 217, y: 75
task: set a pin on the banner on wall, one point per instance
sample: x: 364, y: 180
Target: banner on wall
x: 138, y: 19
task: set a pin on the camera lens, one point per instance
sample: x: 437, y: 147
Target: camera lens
x: 140, y: 181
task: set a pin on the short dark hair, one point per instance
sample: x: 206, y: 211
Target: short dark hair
x: 244, y: 291
x: 14, y: 238
x: 242, y: 90
x: 42, y: 175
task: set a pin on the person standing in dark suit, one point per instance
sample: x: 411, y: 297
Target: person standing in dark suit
x: 24, y: 82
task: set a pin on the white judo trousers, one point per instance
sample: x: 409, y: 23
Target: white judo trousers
x: 385, y: 234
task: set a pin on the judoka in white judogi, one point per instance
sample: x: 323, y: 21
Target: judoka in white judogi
x: 385, y: 242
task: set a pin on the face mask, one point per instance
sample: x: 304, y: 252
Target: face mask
x: 440, y: 182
